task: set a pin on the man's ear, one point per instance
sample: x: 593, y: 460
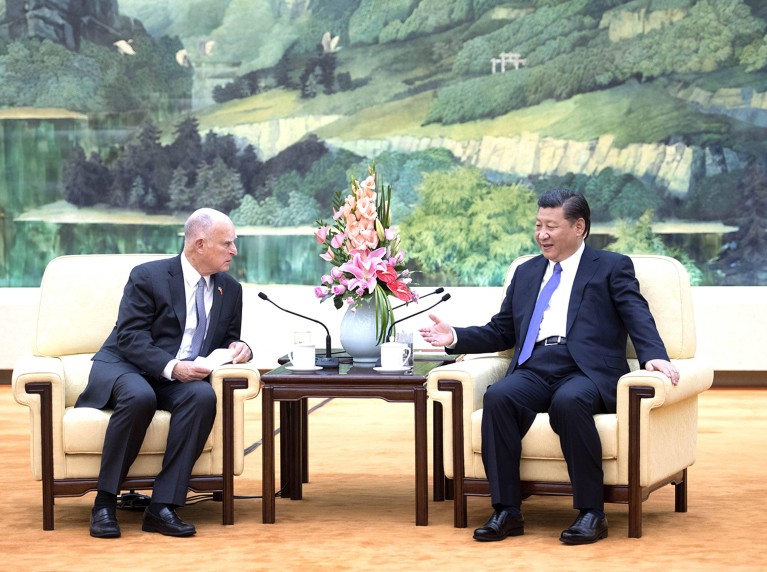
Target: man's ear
x: 580, y: 227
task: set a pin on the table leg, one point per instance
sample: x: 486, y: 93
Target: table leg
x: 285, y: 482
x: 292, y: 433
x: 304, y: 440
x: 267, y: 452
x: 421, y: 459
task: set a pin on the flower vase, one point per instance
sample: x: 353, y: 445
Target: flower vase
x: 358, y: 333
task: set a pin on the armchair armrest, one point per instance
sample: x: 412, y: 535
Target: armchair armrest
x: 465, y: 383
x: 31, y: 369
x: 695, y: 376
x: 233, y: 384
x: 660, y: 420
x: 475, y: 375
x: 246, y: 371
x: 46, y: 404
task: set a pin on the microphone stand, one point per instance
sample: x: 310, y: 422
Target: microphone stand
x: 327, y: 360
x: 437, y: 291
x: 444, y: 298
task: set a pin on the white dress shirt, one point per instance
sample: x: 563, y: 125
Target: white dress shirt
x: 554, y: 322
x: 191, y: 278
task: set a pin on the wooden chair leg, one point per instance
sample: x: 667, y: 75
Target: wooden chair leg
x: 438, y: 460
x: 680, y: 494
x: 230, y: 384
x: 460, y: 506
x: 44, y: 390
x: 636, y: 394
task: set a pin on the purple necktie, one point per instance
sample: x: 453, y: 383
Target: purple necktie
x: 535, y: 321
x: 202, y: 321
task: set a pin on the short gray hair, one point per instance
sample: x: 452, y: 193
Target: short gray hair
x: 200, y: 222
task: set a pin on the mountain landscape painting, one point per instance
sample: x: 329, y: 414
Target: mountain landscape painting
x: 118, y: 118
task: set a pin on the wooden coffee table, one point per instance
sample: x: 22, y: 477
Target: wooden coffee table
x: 292, y: 389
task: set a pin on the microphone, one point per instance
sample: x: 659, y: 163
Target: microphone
x: 444, y: 298
x: 327, y: 360
x: 437, y: 291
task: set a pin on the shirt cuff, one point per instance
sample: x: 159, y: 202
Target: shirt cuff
x: 455, y: 340
x: 167, y: 373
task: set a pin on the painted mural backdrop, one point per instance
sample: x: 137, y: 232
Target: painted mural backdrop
x: 119, y: 118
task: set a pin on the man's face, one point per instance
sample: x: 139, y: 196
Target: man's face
x: 557, y: 237
x: 218, y: 248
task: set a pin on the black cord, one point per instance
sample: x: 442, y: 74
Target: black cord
x: 138, y: 501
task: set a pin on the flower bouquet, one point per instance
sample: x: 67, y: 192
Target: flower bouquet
x: 364, y: 251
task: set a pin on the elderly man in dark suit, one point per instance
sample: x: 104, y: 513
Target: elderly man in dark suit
x: 567, y: 313
x: 171, y: 312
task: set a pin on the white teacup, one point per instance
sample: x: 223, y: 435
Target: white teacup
x: 302, y: 356
x: 394, y: 355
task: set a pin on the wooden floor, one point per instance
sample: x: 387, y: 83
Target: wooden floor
x: 358, y: 509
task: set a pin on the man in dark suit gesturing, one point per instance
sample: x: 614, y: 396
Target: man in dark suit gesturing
x: 171, y: 312
x: 568, y: 314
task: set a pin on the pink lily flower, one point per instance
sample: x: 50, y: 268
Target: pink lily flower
x: 364, y: 266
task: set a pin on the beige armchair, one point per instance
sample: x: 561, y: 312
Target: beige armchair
x: 648, y: 443
x: 79, y: 299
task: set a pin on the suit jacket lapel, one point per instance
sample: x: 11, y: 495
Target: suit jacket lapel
x: 586, y: 269
x: 177, y: 291
x: 530, y: 286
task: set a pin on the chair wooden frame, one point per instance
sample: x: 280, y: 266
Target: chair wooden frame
x: 221, y: 485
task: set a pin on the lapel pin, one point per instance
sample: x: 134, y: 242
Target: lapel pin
x: 220, y: 291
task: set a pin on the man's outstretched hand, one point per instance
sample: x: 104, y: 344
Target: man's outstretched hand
x: 438, y: 334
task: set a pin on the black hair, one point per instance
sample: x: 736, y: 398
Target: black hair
x: 574, y: 205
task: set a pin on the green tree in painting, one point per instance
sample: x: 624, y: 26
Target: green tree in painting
x: 218, y: 187
x: 180, y: 194
x: 468, y: 229
x: 85, y: 181
x: 186, y: 149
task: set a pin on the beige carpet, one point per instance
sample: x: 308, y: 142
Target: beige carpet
x: 358, y: 510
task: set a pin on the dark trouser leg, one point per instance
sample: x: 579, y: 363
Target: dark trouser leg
x: 509, y: 409
x: 575, y: 402
x: 134, y: 404
x: 193, y: 409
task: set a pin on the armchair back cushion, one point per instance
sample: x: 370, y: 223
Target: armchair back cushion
x: 79, y: 299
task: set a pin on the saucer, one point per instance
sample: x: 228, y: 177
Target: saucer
x: 393, y: 369
x: 303, y: 369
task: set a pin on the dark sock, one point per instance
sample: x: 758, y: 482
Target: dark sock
x: 156, y: 507
x: 598, y: 512
x: 104, y: 500
x: 512, y: 510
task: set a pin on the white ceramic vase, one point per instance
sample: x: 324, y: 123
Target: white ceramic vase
x: 358, y: 334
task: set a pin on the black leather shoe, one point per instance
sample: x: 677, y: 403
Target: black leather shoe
x: 500, y: 525
x: 167, y: 523
x: 104, y: 523
x: 586, y: 529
